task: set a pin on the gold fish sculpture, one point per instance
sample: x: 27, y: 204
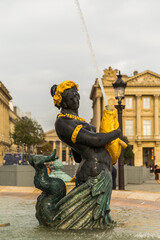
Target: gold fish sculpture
x: 110, y: 123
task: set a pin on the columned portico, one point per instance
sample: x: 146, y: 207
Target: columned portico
x: 138, y: 155
x: 102, y: 106
x: 54, y: 145
x: 98, y: 112
x: 156, y: 116
x: 138, y: 115
x: 62, y: 150
x: 67, y: 154
x: 157, y: 153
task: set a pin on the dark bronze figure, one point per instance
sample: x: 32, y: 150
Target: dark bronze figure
x: 53, y: 189
x: 86, y: 206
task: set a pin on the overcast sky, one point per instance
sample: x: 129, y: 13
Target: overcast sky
x: 42, y: 43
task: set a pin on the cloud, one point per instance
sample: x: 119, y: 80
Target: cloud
x: 43, y: 43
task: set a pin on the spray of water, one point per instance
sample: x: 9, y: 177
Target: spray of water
x: 91, y: 49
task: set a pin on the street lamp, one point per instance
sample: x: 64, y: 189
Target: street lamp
x: 119, y: 88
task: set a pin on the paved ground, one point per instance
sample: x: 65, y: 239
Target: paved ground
x: 145, y: 195
x: 141, y: 195
x: 150, y: 185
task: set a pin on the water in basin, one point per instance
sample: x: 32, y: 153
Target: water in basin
x: 132, y: 223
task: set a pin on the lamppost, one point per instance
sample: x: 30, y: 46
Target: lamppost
x: 119, y: 88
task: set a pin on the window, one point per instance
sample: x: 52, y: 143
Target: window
x: 129, y: 127
x: 51, y: 143
x: 64, y: 155
x: 146, y: 103
x: 146, y: 127
x: 129, y: 104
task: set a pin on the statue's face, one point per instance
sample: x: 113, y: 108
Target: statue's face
x: 71, y: 98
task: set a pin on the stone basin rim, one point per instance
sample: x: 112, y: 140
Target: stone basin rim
x: 121, y: 194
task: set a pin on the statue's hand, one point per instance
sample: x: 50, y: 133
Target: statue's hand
x: 119, y: 132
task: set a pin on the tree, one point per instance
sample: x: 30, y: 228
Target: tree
x: 45, y: 149
x: 27, y: 132
x: 127, y: 152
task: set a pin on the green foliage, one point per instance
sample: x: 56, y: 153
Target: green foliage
x: 27, y: 132
x: 45, y: 149
x: 127, y: 152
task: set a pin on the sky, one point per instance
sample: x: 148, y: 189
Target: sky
x: 42, y: 43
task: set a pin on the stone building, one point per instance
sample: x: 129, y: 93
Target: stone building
x: 4, y: 120
x: 7, y: 121
x: 62, y: 150
x: 141, y: 116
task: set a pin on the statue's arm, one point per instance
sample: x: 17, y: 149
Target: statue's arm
x: 77, y: 156
x: 65, y: 128
x: 97, y: 139
x: 93, y: 128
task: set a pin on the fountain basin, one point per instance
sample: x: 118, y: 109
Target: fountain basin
x: 136, y: 218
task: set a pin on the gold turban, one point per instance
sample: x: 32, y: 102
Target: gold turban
x: 60, y: 89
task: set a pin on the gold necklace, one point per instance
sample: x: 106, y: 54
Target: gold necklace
x: 71, y: 116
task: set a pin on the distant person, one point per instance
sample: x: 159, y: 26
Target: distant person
x: 157, y: 173
x: 48, y: 169
x: 152, y: 168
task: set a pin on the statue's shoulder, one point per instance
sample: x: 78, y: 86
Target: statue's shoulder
x: 64, y: 129
x: 62, y: 120
x: 63, y: 124
x: 59, y: 122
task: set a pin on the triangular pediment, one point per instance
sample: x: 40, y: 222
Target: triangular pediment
x: 146, y: 78
x: 51, y: 133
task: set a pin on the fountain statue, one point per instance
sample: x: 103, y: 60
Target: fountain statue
x: 87, y: 205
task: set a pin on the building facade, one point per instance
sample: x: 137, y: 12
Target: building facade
x: 7, y: 121
x: 62, y: 150
x: 141, y: 116
x: 4, y: 120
